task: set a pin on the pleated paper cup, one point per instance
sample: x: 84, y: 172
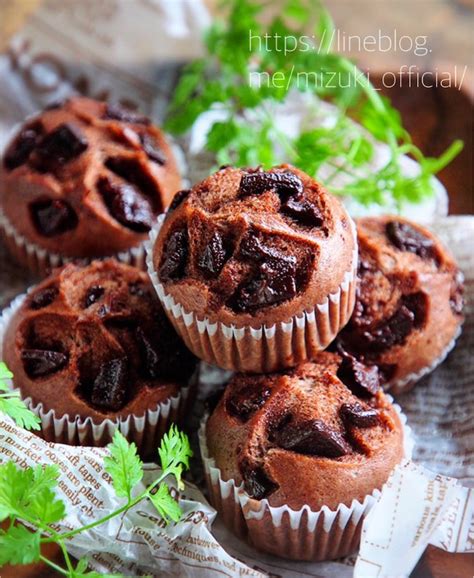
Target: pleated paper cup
x: 407, y: 383
x: 40, y: 261
x: 302, y: 534
x: 145, y: 430
x: 264, y: 348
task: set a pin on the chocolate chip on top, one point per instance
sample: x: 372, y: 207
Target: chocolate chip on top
x: 318, y: 410
x: 252, y: 237
x: 97, y: 339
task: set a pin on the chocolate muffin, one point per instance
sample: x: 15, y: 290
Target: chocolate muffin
x: 320, y: 435
x: 93, y: 343
x: 256, y: 267
x: 84, y: 179
x: 409, y: 301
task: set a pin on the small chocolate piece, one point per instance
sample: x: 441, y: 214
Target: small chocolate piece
x: 213, y: 257
x: 152, y: 150
x: 58, y: 147
x: 355, y: 414
x: 392, y: 332
x: 127, y: 205
x: 303, y: 211
x: 175, y: 256
x: 311, y: 437
x: 274, y: 284
x: 110, y: 386
x: 362, y: 380
x: 154, y: 364
x: 43, y: 298
x: 41, y: 362
x: 179, y: 197
x: 93, y: 295
x: 19, y: 151
x: 257, y: 183
x: 256, y: 482
x: 117, y: 112
x: 248, y: 400
x: 406, y: 238
x: 53, y: 217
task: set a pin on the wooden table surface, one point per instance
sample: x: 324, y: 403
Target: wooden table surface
x: 434, y: 117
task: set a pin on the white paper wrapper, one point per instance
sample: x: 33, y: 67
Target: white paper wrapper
x: 265, y: 348
x: 41, y: 262
x: 145, y: 430
x: 295, y: 534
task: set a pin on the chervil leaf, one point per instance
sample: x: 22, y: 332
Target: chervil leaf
x: 5, y: 373
x: 174, y: 453
x: 123, y: 465
x: 168, y: 508
x: 19, y: 546
x: 12, y: 405
x: 28, y: 494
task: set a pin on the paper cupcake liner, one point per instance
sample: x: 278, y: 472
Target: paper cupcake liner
x: 40, y: 261
x: 145, y: 430
x: 295, y: 534
x: 265, y: 348
x: 407, y: 383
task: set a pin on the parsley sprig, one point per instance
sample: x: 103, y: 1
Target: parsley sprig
x: 247, y: 135
x: 30, y: 506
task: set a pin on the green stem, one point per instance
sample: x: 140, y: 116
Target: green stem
x: 114, y: 514
x: 51, y: 564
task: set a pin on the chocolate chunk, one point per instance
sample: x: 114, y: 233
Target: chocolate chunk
x: 175, y: 256
x: 58, y: 147
x: 256, y: 183
x: 394, y: 331
x: 41, y: 362
x: 256, y: 482
x: 362, y: 380
x: 355, y: 414
x: 53, y: 217
x: 127, y: 205
x: 303, y: 211
x: 19, y: 151
x: 407, y: 238
x: 274, y: 280
x: 213, y: 257
x: 178, y: 199
x: 117, y: 112
x: 247, y: 400
x: 154, y: 364
x: 152, y: 150
x: 311, y: 437
x: 274, y: 284
x: 110, y: 386
x: 43, y: 298
x: 93, y: 295
x: 133, y: 171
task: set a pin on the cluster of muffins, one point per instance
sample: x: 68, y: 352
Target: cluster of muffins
x: 259, y: 272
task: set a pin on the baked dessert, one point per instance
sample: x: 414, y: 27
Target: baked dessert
x: 255, y: 267
x: 84, y: 179
x: 409, y: 301
x: 93, y: 344
x: 321, y: 435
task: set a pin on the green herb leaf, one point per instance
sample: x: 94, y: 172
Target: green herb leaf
x: 12, y: 405
x: 28, y: 494
x: 168, y: 508
x: 174, y: 453
x: 18, y: 545
x: 123, y: 465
